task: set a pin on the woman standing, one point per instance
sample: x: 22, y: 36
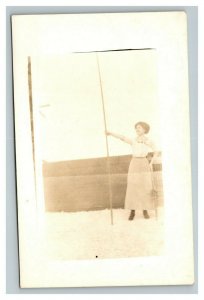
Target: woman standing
x: 140, y: 192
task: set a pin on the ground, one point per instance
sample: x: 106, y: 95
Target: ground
x: 90, y: 235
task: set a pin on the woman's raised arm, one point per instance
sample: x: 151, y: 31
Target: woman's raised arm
x: 121, y: 137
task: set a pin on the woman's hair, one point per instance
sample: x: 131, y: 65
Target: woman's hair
x: 144, y: 125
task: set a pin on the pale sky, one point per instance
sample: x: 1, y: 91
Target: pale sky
x: 73, y: 126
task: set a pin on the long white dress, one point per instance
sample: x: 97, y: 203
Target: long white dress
x: 139, y: 193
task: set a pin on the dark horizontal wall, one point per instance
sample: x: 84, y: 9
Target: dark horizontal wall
x: 83, y: 185
x: 92, y: 166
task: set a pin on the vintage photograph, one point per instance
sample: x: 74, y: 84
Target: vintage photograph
x: 95, y: 120
x: 103, y: 155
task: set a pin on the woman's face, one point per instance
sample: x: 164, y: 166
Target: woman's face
x: 139, y: 130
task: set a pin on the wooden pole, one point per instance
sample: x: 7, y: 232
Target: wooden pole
x: 31, y: 114
x: 107, y: 148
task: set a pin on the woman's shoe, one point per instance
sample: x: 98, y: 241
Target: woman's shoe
x: 145, y: 214
x: 132, y: 215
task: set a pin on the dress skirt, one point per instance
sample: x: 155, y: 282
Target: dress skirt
x: 139, y: 193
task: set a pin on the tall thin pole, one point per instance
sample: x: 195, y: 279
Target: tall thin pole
x: 31, y: 114
x: 107, y: 148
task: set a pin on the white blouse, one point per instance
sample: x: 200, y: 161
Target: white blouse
x: 142, y: 148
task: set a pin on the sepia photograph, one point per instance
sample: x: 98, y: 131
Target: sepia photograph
x: 102, y: 189
x: 103, y: 149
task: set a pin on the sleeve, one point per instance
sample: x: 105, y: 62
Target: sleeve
x: 127, y: 140
x: 151, y: 144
